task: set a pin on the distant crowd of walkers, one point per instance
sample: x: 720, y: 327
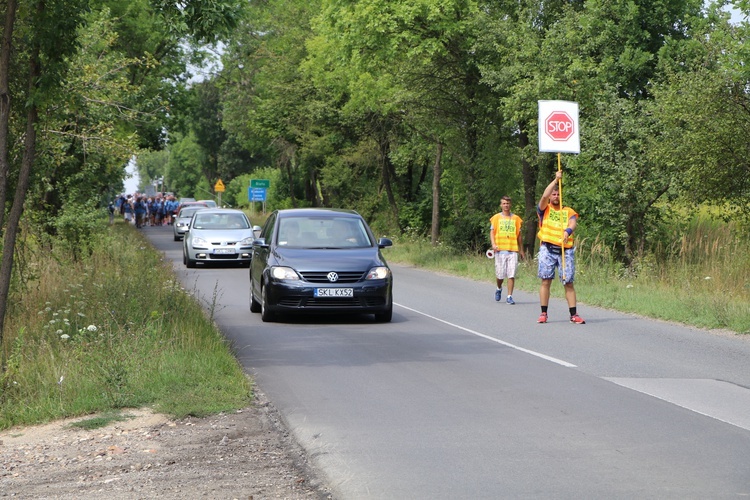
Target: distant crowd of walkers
x: 141, y: 210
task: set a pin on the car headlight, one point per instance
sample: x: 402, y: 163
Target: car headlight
x: 378, y: 273
x: 199, y: 242
x: 284, y: 273
x: 247, y: 241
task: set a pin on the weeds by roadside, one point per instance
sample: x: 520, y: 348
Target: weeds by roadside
x: 703, y: 282
x: 111, y: 329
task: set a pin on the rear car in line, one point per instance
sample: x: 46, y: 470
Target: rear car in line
x: 319, y: 261
x: 182, y: 221
x: 218, y: 235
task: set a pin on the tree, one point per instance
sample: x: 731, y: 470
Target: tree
x: 268, y: 105
x: 703, y: 109
x: 617, y: 182
x: 52, y: 26
x: 152, y: 166
x: 576, y: 51
x: 88, y: 138
x: 405, y: 72
x: 5, y: 100
x: 184, y: 169
x: 48, y: 40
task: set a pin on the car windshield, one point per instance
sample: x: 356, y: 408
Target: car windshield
x: 219, y: 221
x: 322, y: 232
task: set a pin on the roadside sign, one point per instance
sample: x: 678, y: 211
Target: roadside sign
x: 219, y: 186
x: 558, y: 127
x: 256, y: 194
x: 260, y: 183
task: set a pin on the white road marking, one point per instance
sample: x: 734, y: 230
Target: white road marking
x: 715, y: 399
x: 493, y: 339
x: 723, y: 401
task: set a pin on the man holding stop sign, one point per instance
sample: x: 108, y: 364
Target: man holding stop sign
x: 558, y: 132
x: 556, y: 227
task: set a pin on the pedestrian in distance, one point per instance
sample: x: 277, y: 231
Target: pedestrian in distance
x: 505, y: 235
x: 140, y: 209
x: 556, y: 227
x: 128, y: 210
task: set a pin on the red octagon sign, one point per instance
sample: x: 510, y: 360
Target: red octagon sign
x: 559, y: 126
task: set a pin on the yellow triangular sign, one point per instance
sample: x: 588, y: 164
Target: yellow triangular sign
x: 219, y: 186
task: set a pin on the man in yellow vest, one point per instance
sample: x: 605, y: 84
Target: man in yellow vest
x: 556, y: 227
x: 505, y: 235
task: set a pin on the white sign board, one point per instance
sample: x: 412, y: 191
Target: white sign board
x: 558, y: 127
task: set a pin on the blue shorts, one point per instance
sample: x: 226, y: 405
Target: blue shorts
x: 548, y: 261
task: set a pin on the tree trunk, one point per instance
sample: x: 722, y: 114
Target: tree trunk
x: 5, y: 51
x: 290, y: 164
x: 29, y: 154
x: 436, y: 174
x: 530, y: 176
x: 385, y: 164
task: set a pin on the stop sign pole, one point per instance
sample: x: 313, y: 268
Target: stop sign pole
x: 559, y: 133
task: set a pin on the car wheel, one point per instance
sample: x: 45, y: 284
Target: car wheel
x: 265, y: 312
x: 177, y: 238
x: 190, y: 263
x: 254, y: 304
x: 385, y: 316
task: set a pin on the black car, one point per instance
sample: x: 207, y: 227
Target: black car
x: 319, y: 260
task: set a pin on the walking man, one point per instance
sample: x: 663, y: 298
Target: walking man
x: 556, y: 227
x: 505, y: 235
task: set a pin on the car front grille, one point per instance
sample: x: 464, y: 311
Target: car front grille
x: 322, y: 277
x: 337, y: 303
x: 231, y: 256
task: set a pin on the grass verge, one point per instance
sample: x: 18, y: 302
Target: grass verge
x: 701, y: 294
x: 109, y: 330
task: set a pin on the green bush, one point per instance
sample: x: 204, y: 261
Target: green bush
x: 78, y: 227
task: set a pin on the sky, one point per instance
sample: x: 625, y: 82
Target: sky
x: 737, y: 16
x: 133, y: 179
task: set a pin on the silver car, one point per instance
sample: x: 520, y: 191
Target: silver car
x: 218, y: 235
x: 182, y: 221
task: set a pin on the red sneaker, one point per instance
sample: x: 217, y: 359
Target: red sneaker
x: 577, y: 320
x: 542, y: 318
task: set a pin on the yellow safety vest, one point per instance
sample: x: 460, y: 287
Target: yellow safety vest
x: 507, y: 230
x: 553, y: 223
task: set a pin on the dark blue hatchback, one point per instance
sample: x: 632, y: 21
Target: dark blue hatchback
x: 319, y: 260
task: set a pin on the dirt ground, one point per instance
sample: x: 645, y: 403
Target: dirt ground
x: 246, y: 454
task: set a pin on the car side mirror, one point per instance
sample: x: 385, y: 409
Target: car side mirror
x: 260, y: 242
x: 385, y: 242
x: 256, y: 231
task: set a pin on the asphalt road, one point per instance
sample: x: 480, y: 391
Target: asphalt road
x: 463, y: 397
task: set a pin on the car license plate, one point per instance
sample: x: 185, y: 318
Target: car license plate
x: 334, y: 292
x: 223, y: 251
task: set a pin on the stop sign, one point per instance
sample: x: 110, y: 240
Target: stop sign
x: 559, y: 126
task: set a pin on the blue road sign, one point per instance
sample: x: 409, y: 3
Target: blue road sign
x: 256, y: 194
